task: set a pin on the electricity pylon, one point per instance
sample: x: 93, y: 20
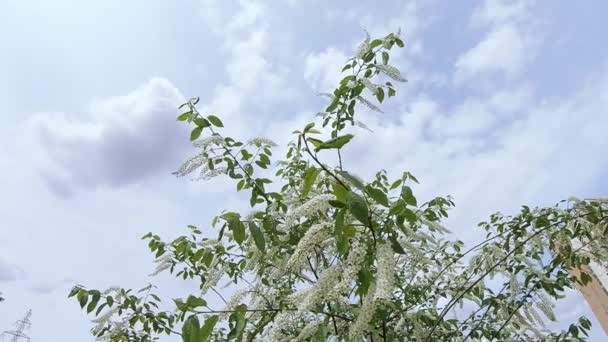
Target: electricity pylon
x: 19, y: 334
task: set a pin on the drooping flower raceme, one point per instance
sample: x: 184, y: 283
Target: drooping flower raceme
x: 366, y: 313
x: 315, y: 234
x: 386, y: 271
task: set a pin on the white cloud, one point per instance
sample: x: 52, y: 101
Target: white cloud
x: 120, y: 140
x: 501, y: 11
x: 547, y: 151
x: 322, y: 70
x: 504, y: 49
x: 509, y: 45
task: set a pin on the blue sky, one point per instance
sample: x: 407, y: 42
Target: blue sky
x: 505, y: 105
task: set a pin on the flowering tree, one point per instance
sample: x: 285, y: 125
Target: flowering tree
x: 327, y: 256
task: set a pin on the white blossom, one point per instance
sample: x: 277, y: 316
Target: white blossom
x: 386, y: 271
x: 213, y: 277
x: 364, y: 47
x: 163, y: 262
x: 369, y: 85
x: 261, y: 141
x: 351, y: 84
x: 283, y: 324
x: 309, y: 330
x: 191, y: 164
x: 314, y: 205
x: 233, y: 302
x: 351, y: 266
x: 366, y: 313
x: 368, y: 104
x: 319, y: 293
x: 315, y: 234
x: 391, y: 72
x: 105, y: 317
x: 215, y: 139
x: 433, y: 225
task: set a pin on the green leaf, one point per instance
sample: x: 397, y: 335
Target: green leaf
x: 391, y: 92
x: 94, y: 301
x: 191, y: 330
x: 195, y: 302
x: 74, y: 291
x: 335, y: 142
x: 385, y: 57
x: 196, y: 132
x: 341, y: 238
x: 380, y: 94
x: 410, y: 216
x: 408, y: 196
x: 207, y: 328
x: 377, y: 195
x: 238, y: 229
x: 202, y: 122
x: 396, y: 245
x: 339, y: 191
x: 309, y: 127
x: 336, y: 204
x: 316, y: 142
x: 374, y: 43
x: 353, y: 180
x: 310, y: 175
x: 237, y: 320
x: 333, y: 105
x: 399, y: 42
x: 396, y: 184
x: 82, y: 297
x: 357, y: 206
x: 215, y: 121
x: 258, y: 236
x: 184, y: 116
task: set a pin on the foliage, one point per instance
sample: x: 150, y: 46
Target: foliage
x: 328, y: 256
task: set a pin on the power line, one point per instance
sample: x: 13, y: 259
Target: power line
x: 21, y: 326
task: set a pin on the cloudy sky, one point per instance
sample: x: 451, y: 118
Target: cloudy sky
x: 505, y: 105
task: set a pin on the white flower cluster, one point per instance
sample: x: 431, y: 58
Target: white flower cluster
x: 362, y: 125
x: 433, y: 225
x: 313, y: 206
x: 315, y: 234
x: 116, y: 328
x: 209, y: 243
x: 283, y: 324
x: 363, y: 48
x: 233, y: 302
x: 391, y: 72
x: 546, y: 307
x: 351, y: 84
x: 215, y: 139
x: 105, y: 318
x: 351, y: 266
x: 261, y: 141
x: 386, y: 272
x: 202, y: 162
x: 319, y: 293
x: 369, y: 85
x: 213, y: 278
x: 163, y: 262
x: 366, y: 313
x: 191, y: 164
x: 308, y: 331
x: 368, y: 104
